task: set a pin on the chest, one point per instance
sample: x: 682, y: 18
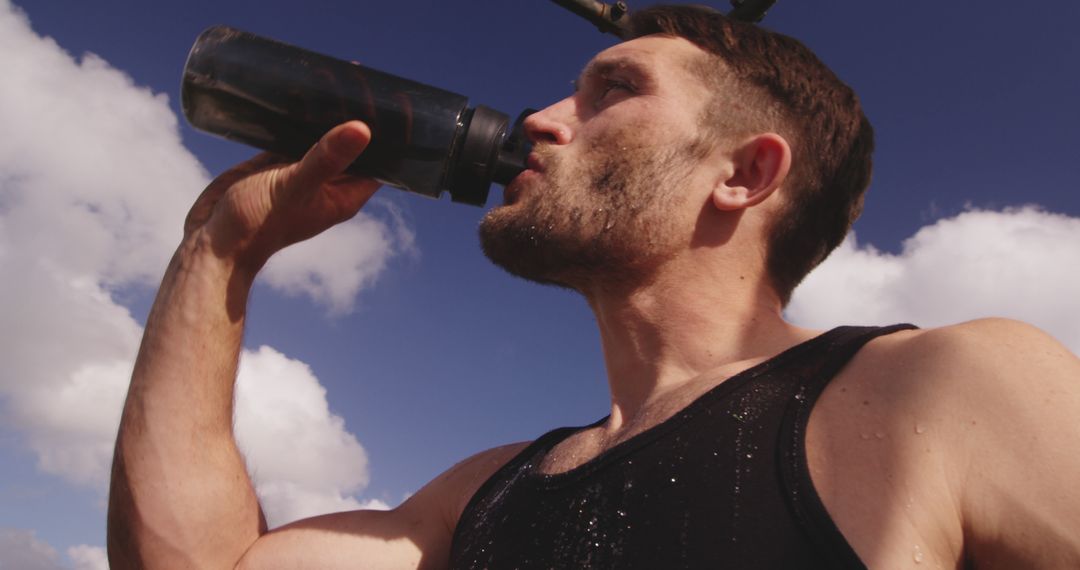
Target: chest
x: 699, y: 489
x: 877, y: 476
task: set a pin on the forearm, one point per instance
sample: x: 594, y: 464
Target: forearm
x: 180, y: 495
x: 180, y: 492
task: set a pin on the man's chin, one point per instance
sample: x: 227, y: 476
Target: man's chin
x: 514, y: 245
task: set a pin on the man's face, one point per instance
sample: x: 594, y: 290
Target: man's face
x: 608, y: 193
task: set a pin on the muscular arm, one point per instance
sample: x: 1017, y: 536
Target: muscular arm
x: 415, y: 535
x: 180, y: 494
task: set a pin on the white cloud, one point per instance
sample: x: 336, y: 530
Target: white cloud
x: 85, y: 557
x: 91, y: 165
x: 1019, y: 263
x: 335, y: 265
x: 94, y: 186
x: 302, y: 459
x: 22, y: 549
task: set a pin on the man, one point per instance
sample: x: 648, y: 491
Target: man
x: 692, y: 179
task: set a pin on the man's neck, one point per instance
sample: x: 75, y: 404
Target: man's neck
x: 685, y: 326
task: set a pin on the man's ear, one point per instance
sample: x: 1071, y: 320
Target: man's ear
x: 760, y: 165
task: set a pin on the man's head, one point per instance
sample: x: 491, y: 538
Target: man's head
x: 617, y: 158
x: 776, y: 83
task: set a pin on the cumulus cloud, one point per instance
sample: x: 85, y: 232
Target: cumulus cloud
x: 1021, y: 263
x: 93, y: 189
x: 332, y: 267
x: 94, y: 185
x: 302, y: 459
x: 22, y: 550
x: 85, y: 557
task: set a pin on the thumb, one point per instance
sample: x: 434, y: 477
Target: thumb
x: 334, y: 152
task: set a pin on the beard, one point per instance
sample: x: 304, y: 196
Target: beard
x: 603, y: 219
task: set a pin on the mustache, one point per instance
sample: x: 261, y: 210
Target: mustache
x: 545, y: 152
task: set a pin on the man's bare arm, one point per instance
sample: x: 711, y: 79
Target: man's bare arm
x: 180, y: 495
x: 415, y: 535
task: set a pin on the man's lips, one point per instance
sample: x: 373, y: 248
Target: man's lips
x: 533, y: 167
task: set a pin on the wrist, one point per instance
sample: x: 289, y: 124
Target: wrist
x: 206, y: 275
x: 199, y: 251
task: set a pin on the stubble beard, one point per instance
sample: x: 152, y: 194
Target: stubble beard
x: 603, y: 220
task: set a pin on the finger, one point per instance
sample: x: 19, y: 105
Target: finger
x: 331, y: 155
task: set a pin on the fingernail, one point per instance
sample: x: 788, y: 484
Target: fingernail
x: 350, y: 141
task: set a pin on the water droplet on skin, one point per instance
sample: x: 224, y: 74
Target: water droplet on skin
x: 920, y: 429
x: 864, y: 435
x: 879, y: 435
x: 918, y: 555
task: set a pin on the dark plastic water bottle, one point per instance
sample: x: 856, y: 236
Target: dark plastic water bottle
x: 282, y: 98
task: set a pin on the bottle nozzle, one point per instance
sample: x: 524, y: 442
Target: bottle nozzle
x: 514, y: 152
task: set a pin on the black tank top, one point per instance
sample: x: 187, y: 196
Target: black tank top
x: 721, y: 484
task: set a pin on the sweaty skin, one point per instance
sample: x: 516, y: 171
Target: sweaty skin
x: 936, y: 448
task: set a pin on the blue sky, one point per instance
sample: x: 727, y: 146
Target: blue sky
x: 432, y: 354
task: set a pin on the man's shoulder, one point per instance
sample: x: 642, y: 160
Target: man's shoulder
x: 986, y: 400
x: 960, y: 367
x: 974, y: 351
x: 957, y: 417
x: 458, y: 484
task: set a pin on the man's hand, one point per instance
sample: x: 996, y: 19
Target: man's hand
x: 265, y: 204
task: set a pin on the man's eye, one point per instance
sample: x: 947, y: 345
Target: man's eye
x: 615, y: 86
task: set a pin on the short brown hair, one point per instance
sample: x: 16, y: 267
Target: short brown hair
x: 782, y: 82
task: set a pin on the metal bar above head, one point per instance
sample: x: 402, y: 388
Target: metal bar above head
x: 615, y: 18
x: 749, y: 10
x: 608, y: 18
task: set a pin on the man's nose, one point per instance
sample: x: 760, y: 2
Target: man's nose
x: 551, y: 125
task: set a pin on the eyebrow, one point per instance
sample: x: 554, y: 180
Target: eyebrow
x: 605, y: 67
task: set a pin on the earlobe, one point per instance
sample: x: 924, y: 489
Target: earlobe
x: 760, y: 165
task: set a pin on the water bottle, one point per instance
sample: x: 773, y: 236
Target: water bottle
x: 282, y: 98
